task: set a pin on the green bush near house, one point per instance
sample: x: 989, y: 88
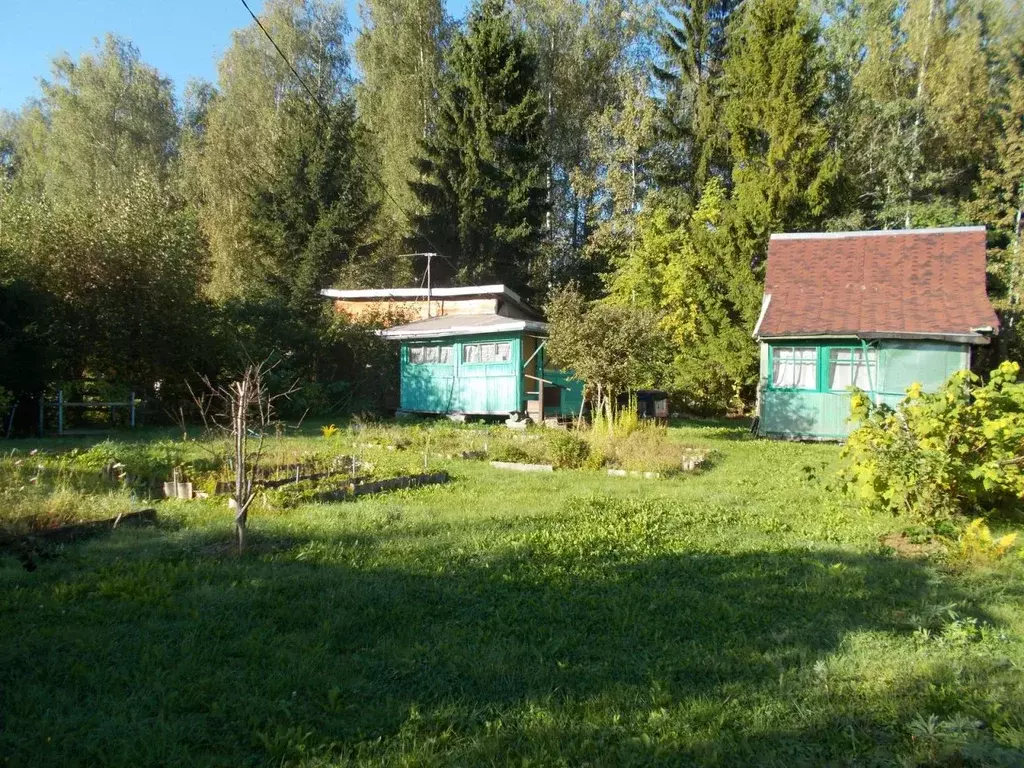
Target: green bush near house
x: 958, y: 450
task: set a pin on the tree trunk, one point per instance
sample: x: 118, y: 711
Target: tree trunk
x: 919, y: 107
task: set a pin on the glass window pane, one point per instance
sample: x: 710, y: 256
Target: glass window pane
x: 795, y: 367
x: 849, y: 367
x: 504, y: 352
x: 416, y: 355
x: 840, y: 371
x: 445, y: 355
x: 471, y: 353
x: 865, y: 371
x: 487, y: 353
x: 430, y: 354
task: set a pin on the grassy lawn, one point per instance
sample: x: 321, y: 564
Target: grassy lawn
x: 744, y: 615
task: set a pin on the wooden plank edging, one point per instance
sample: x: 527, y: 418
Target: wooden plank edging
x: 66, y: 533
x: 381, y: 486
x: 518, y: 467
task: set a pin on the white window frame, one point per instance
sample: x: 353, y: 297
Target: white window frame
x: 421, y: 354
x: 487, y: 353
x: 799, y: 360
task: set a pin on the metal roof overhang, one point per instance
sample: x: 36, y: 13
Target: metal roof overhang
x: 414, y: 331
x: 978, y: 339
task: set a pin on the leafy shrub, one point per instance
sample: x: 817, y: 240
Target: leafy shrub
x: 621, y: 422
x: 517, y: 453
x: 647, y: 447
x: 329, y: 431
x: 977, y: 546
x: 568, y: 450
x: 940, y: 454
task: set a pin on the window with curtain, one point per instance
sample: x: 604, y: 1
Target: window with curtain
x: 430, y: 355
x: 850, y: 367
x: 500, y: 352
x: 795, y: 367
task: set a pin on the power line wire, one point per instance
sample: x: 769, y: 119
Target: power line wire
x: 326, y: 114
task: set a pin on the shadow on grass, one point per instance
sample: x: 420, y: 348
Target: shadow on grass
x: 717, y: 429
x: 168, y: 654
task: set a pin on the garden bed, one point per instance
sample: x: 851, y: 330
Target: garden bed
x: 364, y: 488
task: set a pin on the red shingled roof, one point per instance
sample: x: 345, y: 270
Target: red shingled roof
x: 893, y: 282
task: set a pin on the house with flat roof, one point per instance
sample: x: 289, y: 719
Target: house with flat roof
x: 875, y: 310
x: 468, y: 351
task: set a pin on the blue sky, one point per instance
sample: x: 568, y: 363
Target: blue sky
x: 181, y: 38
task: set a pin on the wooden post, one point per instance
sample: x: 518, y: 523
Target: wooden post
x: 60, y: 412
x: 430, y: 256
x: 131, y: 410
x: 10, y: 420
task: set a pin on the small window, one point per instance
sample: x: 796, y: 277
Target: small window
x: 500, y: 352
x: 430, y: 355
x: 849, y: 367
x: 795, y: 367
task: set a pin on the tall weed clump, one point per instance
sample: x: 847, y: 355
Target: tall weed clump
x: 941, y: 454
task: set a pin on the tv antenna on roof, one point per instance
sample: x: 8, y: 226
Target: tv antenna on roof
x: 430, y: 258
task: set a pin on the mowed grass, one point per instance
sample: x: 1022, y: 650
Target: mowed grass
x: 745, y: 615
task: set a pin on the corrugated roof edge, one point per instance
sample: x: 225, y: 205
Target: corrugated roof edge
x: 417, y: 330
x: 872, y: 233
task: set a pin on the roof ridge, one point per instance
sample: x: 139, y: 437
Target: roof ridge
x: 873, y: 233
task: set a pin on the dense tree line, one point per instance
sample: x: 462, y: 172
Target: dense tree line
x: 641, y: 151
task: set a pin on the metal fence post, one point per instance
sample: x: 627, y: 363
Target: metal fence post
x: 60, y: 412
x: 131, y: 410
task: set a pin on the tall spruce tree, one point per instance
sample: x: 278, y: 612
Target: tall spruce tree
x: 784, y: 165
x: 693, y: 53
x: 244, y: 121
x: 483, y: 189
x: 313, y: 212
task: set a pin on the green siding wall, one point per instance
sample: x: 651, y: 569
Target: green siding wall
x: 484, y: 388
x: 819, y: 414
x: 477, y: 388
x: 572, y: 393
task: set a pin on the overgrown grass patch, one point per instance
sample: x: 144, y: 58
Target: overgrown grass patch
x: 739, y: 616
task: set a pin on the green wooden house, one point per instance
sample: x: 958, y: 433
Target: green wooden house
x: 469, y: 351
x: 874, y: 310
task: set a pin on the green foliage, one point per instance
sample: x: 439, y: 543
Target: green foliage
x: 29, y: 334
x: 569, y: 450
x: 609, y: 347
x: 102, y: 121
x: 399, y: 51
x: 694, y: 46
x: 111, y: 285
x: 312, y: 214
x: 245, y: 159
x: 938, y: 454
x: 783, y: 165
x: 976, y: 546
x: 409, y: 610
x: 686, y: 265
x: 482, y: 185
